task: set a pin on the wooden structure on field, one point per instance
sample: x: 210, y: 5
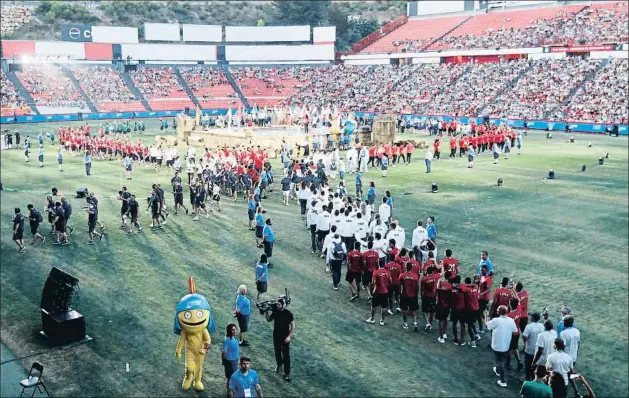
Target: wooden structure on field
x: 384, y: 127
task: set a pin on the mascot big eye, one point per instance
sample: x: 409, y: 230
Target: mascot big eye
x: 193, y: 324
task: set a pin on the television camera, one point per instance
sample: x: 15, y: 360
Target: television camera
x: 271, y: 305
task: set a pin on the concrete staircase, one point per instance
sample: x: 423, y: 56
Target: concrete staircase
x: 186, y: 88
x: 77, y: 85
x: 22, y: 91
x: 232, y: 81
x: 424, y: 48
x: 134, y: 90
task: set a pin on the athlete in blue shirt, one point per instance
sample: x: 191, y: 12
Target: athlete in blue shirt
x: 269, y: 240
x: 251, y: 212
x: 242, y: 312
x: 262, y: 276
x: 230, y: 353
x: 245, y: 381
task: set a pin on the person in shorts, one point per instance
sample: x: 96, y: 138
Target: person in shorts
x: 92, y: 218
x: 35, y: 218
x: 262, y: 277
x: 242, y: 313
x: 380, y: 297
x: 60, y: 225
x: 134, y: 209
x: 230, y: 352
x: 444, y: 291
x: 429, y: 295
x: 409, y: 284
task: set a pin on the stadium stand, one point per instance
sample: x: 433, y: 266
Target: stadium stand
x: 106, y: 88
x: 604, y: 98
x: 474, y: 89
x: 11, y: 102
x: 520, y: 28
x: 599, y: 23
x: 13, y: 17
x: 268, y: 86
x: 415, y: 34
x: 51, y: 89
x: 161, y: 88
x: 543, y: 89
x: 211, y: 87
x: 351, y: 88
x: 424, y: 82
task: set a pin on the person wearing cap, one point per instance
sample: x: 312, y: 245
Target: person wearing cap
x: 544, y: 344
x: 502, y: 329
x: 530, y: 334
x: 565, y: 311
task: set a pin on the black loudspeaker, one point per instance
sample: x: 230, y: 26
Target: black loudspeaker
x: 500, y: 182
x: 551, y: 175
x: 583, y: 167
x: 571, y: 140
x: 60, y: 323
x: 81, y: 192
x: 187, y: 111
x: 434, y: 188
x: 64, y: 328
x: 57, y: 292
x: 55, y: 191
x: 601, y: 161
x: 549, y: 136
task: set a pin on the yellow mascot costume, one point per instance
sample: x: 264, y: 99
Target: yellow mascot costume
x: 193, y: 324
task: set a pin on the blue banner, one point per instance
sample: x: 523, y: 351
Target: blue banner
x: 595, y: 128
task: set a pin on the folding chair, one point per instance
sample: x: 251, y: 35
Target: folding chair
x: 34, y: 381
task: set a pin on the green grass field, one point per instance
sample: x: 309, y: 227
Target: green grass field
x: 566, y: 240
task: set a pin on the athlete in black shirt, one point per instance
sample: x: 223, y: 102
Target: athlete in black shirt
x: 124, y: 196
x: 133, y: 208
x: 18, y: 230
x: 178, y: 196
x: 35, y: 218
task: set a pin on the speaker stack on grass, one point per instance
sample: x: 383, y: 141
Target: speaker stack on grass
x: 81, y: 193
x: 61, y: 323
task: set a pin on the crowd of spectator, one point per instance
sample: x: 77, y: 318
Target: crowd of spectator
x: 600, y: 23
x: 207, y: 83
x: 157, y: 82
x: 604, y: 98
x: 533, y: 35
x: 542, y: 90
x: 49, y: 86
x: 474, y: 89
x: 352, y: 88
x: 10, y: 100
x: 422, y: 85
x: 103, y: 83
x: 274, y: 82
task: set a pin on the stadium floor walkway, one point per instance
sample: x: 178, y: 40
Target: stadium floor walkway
x: 11, y: 373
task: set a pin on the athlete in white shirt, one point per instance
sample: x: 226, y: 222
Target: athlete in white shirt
x: 396, y: 232
x: 385, y: 211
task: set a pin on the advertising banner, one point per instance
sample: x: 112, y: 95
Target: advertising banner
x: 76, y: 33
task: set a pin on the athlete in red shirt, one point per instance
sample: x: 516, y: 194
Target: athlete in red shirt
x: 395, y: 270
x: 472, y: 307
x: 370, y: 265
x: 501, y: 297
x: 484, y: 296
x: 450, y: 263
x: 515, y: 313
x: 444, y: 289
x: 409, y: 282
x: 429, y: 262
x: 523, y: 296
x: 354, y: 271
x: 380, y: 285
x: 457, y: 308
x: 452, y: 147
x: 429, y: 295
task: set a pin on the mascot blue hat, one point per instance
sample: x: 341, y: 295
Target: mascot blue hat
x: 193, y: 301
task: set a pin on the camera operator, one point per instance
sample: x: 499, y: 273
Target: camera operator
x: 283, y: 331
